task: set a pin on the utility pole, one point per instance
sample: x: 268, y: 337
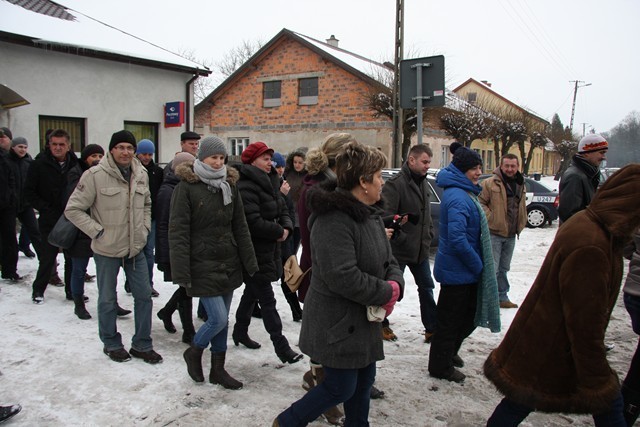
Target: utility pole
x: 397, y: 111
x: 575, y: 93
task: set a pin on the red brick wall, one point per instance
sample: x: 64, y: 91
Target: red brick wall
x: 340, y: 94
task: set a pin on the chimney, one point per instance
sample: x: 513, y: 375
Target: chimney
x: 333, y: 41
x: 486, y: 82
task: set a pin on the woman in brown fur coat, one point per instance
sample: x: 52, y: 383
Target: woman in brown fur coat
x: 553, y: 358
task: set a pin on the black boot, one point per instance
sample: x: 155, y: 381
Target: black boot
x: 122, y: 311
x: 245, y: 341
x: 193, y: 357
x: 218, y: 375
x: 631, y: 405
x: 186, y: 318
x: 292, y: 299
x: 80, y: 310
x: 165, y: 315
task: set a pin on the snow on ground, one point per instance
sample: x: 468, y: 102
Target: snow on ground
x: 52, y: 364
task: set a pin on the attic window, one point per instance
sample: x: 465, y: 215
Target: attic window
x: 308, y: 91
x: 472, y: 97
x: 271, y: 93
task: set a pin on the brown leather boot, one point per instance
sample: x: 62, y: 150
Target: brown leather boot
x: 218, y: 375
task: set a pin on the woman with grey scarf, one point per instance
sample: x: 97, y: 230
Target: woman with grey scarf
x: 209, y: 246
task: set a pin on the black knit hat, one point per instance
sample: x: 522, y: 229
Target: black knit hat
x: 89, y: 150
x: 464, y: 158
x: 122, y: 136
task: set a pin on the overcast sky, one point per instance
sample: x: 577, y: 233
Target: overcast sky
x: 529, y: 50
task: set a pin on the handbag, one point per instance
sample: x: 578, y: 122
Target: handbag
x: 293, y: 274
x: 64, y: 233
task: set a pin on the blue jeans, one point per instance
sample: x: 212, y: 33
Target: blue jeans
x: 78, y: 270
x: 422, y: 275
x: 351, y: 386
x: 107, y: 269
x: 216, y: 328
x: 502, y: 253
x: 148, y: 250
x: 511, y: 414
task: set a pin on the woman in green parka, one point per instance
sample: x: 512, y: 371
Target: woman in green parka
x: 209, y: 244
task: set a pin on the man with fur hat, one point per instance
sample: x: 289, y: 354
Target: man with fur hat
x: 580, y: 181
x: 45, y: 189
x: 553, y: 357
x: 117, y: 194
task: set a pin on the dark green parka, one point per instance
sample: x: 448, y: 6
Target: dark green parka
x: 209, y: 243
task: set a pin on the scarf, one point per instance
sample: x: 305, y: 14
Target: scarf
x: 216, y: 179
x: 488, y: 305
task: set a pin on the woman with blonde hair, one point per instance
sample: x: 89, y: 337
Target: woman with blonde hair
x: 353, y: 268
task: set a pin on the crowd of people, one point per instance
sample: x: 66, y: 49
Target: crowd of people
x: 211, y: 226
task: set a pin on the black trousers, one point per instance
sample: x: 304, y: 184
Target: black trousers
x: 456, y: 312
x: 257, y: 290
x: 29, y: 223
x: 8, y: 242
x: 47, y: 262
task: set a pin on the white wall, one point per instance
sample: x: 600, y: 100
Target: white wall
x: 105, y: 93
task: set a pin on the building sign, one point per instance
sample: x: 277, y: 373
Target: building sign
x: 173, y: 114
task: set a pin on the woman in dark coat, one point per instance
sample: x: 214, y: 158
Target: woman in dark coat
x: 294, y: 173
x: 81, y: 252
x: 269, y: 224
x: 353, y: 268
x: 180, y: 300
x: 209, y: 246
x: 553, y: 358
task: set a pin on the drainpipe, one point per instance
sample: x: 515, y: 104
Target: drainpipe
x: 187, y: 103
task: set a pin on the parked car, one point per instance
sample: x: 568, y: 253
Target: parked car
x: 435, y: 200
x: 542, y: 202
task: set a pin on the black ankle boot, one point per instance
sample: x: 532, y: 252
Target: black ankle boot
x: 80, y: 310
x: 292, y: 300
x: 165, y: 316
x: 193, y: 357
x: 245, y: 341
x: 184, y: 310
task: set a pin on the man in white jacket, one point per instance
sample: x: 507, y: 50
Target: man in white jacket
x: 116, y: 192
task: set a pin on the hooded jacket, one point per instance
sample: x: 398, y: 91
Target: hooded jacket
x: 459, y: 256
x: 495, y: 203
x: 120, y: 211
x: 553, y: 358
x: 267, y: 217
x: 209, y: 242
x: 352, y: 262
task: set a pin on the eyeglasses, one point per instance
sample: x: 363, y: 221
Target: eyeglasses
x: 127, y: 148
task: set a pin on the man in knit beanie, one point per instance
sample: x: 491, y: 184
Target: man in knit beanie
x: 116, y: 194
x: 581, y: 180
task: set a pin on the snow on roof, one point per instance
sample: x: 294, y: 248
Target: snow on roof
x: 84, y: 32
x: 364, y: 65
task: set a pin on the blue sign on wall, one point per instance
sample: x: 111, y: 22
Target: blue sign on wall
x: 173, y: 114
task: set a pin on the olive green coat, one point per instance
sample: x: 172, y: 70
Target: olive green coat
x: 209, y: 242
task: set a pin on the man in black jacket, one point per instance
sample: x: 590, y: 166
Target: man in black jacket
x: 580, y: 181
x: 8, y: 243
x: 45, y: 191
x: 409, y: 193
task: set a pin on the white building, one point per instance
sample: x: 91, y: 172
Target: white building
x: 89, y: 78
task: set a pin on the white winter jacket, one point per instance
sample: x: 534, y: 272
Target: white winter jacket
x: 120, y: 212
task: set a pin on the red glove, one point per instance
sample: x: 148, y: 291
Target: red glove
x: 394, y: 297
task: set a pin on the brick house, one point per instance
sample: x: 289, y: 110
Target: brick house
x: 293, y: 93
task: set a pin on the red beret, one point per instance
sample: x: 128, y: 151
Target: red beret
x: 253, y: 151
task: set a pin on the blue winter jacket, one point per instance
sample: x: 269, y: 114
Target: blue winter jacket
x: 459, y: 257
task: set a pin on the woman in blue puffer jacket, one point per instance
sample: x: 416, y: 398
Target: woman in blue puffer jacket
x: 458, y: 265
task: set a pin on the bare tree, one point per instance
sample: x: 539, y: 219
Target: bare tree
x: 203, y: 85
x: 236, y: 57
x: 467, y: 126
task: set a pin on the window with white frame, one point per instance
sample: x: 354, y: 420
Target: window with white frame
x: 444, y: 156
x: 238, y: 144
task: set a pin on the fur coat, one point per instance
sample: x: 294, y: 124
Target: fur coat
x: 552, y: 358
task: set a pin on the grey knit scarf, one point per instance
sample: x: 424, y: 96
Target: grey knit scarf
x: 216, y: 179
